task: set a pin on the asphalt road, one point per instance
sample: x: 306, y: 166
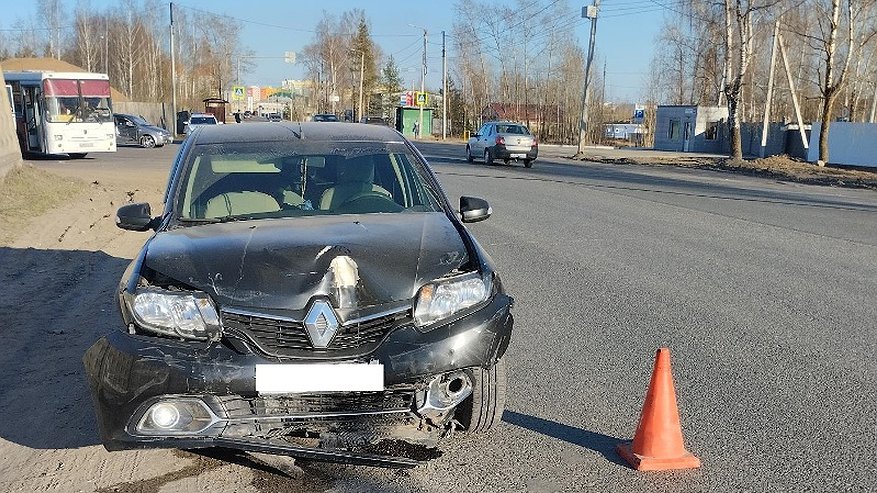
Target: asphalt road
x: 765, y: 292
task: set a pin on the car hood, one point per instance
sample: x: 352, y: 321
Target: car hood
x: 281, y: 264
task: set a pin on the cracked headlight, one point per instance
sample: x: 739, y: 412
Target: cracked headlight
x: 442, y: 299
x: 176, y: 314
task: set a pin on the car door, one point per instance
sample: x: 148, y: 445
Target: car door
x: 488, y: 136
x: 126, y: 128
x: 482, y: 138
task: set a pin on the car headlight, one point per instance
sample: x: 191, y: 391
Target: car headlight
x: 177, y: 314
x: 442, y: 299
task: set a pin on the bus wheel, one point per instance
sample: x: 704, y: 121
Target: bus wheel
x: 77, y: 155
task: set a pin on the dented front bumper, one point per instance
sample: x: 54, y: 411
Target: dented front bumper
x: 128, y: 373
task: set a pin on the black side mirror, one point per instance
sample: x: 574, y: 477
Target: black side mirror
x: 474, y: 209
x: 135, y: 217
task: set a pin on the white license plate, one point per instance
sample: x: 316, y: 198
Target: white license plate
x: 319, y: 377
x: 86, y: 144
x: 519, y: 155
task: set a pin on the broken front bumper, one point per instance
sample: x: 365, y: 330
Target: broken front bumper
x: 129, y: 373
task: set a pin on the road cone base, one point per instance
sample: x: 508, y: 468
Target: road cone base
x: 645, y: 463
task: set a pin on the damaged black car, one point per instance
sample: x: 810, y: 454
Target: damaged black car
x: 308, y: 291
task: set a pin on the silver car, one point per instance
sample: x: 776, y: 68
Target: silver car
x: 136, y: 130
x: 503, y: 140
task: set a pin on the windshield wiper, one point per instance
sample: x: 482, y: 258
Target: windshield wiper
x: 214, y: 220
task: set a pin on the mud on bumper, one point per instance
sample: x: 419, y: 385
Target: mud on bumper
x: 128, y: 374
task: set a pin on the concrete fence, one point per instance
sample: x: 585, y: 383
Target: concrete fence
x: 10, y: 152
x: 155, y: 113
x: 849, y: 143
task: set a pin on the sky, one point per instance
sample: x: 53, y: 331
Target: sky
x: 626, y: 33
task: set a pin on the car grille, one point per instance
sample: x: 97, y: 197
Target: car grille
x: 320, y: 405
x: 276, y: 337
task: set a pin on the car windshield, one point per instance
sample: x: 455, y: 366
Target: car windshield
x: 254, y: 180
x: 512, y: 129
x: 139, y: 120
x: 325, y: 118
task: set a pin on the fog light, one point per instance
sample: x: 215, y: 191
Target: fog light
x: 176, y: 416
x: 165, y: 415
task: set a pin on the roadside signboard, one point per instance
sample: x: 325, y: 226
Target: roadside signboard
x: 238, y: 93
x: 422, y: 98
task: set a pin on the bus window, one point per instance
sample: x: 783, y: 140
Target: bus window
x: 96, y: 95
x: 62, y: 100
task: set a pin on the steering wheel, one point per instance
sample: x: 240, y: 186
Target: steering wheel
x: 369, y: 202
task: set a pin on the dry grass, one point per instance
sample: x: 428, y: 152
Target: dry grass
x: 776, y: 167
x: 27, y: 192
x: 786, y: 168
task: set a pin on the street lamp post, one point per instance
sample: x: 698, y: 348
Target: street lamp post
x: 422, y: 81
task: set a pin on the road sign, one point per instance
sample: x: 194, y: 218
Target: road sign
x: 422, y: 98
x: 334, y: 98
x: 238, y: 93
x: 289, y: 57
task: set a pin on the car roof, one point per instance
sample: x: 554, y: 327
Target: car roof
x: 508, y: 123
x: 316, y: 131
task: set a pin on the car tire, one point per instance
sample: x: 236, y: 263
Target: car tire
x: 482, y: 410
x: 528, y: 163
x: 469, y: 157
x: 488, y: 157
x: 147, y: 141
x: 77, y: 155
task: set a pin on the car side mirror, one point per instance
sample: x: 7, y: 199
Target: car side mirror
x: 129, y: 124
x: 135, y: 217
x: 476, y: 135
x: 473, y: 209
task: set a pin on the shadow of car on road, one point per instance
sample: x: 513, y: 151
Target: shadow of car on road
x: 54, y: 304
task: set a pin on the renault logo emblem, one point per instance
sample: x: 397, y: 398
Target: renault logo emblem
x: 321, y: 324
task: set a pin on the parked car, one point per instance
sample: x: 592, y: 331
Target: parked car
x: 136, y: 130
x: 275, y: 117
x: 375, y: 120
x: 503, y: 140
x: 325, y: 117
x: 199, y: 119
x: 308, y: 290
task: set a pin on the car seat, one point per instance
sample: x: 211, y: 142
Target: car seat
x: 240, y: 203
x: 355, y: 177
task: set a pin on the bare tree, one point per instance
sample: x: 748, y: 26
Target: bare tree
x: 51, y: 15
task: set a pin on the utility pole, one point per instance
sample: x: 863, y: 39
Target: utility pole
x: 797, y: 106
x: 361, y: 76
x: 422, y: 85
x: 444, y: 90
x: 589, y: 12
x: 173, y: 77
x: 773, y: 58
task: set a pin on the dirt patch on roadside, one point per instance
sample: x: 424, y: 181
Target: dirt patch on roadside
x: 776, y: 167
x: 26, y: 193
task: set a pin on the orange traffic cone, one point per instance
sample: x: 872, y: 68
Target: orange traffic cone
x: 657, y: 445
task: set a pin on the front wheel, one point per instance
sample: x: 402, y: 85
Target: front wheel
x: 482, y: 410
x: 469, y: 157
x: 147, y: 141
x: 488, y: 158
x: 528, y: 163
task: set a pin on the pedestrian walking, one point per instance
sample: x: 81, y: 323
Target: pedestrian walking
x: 416, y: 130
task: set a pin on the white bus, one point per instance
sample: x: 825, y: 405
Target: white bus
x: 62, y: 112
